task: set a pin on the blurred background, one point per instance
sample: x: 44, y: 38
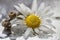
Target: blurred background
x: 7, y: 5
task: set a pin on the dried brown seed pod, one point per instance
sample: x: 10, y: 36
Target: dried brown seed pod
x: 12, y: 15
x: 6, y: 23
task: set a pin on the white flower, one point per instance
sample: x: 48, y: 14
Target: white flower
x: 17, y: 29
x: 37, y: 19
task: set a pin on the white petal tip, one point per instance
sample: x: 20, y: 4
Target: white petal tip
x: 42, y: 6
x: 34, y: 5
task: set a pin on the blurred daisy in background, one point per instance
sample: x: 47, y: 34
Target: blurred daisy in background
x: 36, y: 20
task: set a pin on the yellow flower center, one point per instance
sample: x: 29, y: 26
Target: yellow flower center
x: 32, y: 21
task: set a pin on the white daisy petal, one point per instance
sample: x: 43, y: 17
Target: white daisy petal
x: 17, y: 21
x: 21, y: 16
x: 44, y: 12
x: 25, y: 8
x: 42, y: 6
x: 47, y: 9
x: 36, y: 30
x: 44, y: 34
x: 43, y: 28
x: 51, y: 26
x: 48, y: 22
x: 42, y: 31
x: 26, y: 34
x: 31, y: 34
x: 47, y: 29
x: 49, y: 14
x: 40, y: 9
x: 39, y: 13
x: 50, y: 29
x: 34, y: 6
x: 19, y: 9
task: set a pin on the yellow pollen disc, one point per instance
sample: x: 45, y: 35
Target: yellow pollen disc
x: 32, y: 21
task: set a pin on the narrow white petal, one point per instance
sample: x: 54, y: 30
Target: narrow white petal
x: 18, y: 22
x: 34, y: 5
x: 41, y: 9
x: 48, y: 22
x: 26, y: 34
x: 37, y: 31
x: 49, y: 28
x: 47, y: 9
x: 42, y: 27
x: 52, y: 26
x: 49, y: 14
x: 21, y: 16
x: 39, y: 13
x: 18, y: 8
x: 43, y: 31
x: 44, y: 12
x: 24, y: 8
x: 42, y: 6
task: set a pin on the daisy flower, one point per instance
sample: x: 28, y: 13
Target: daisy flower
x: 37, y: 20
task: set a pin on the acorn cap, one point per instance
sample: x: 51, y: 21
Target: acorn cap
x: 6, y: 23
x: 12, y: 15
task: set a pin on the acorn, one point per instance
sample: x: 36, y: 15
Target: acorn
x: 7, y: 27
x: 6, y: 23
x: 12, y: 15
